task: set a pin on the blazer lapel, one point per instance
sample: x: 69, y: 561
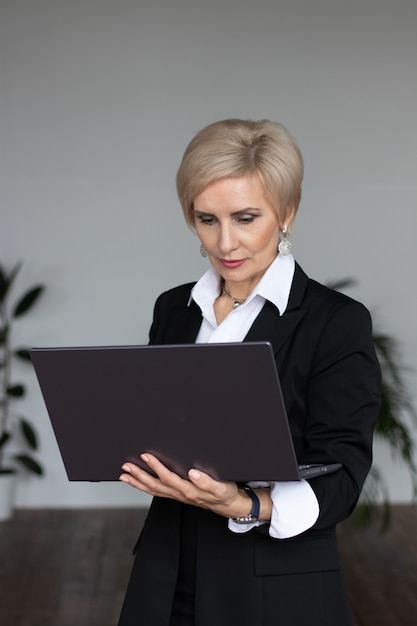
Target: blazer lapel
x: 184, y: 324
x: 275, y: 328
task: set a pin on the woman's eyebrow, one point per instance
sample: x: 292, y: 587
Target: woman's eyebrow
x: 233, y: 214
x: 253, y: 209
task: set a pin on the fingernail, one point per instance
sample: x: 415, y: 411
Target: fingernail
x: 126, y: 468
x: 195, y: 474
x: 144, y: 457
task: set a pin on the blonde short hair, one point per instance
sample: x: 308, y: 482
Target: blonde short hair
x: 234, y: 148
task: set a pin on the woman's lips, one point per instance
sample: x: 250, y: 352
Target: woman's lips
x: 232, y: 264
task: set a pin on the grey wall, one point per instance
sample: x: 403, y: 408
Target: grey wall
x: 98, y: 100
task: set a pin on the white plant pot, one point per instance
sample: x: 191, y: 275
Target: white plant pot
x: 7, y: 487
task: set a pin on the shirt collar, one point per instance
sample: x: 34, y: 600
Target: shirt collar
x: 275, y: 285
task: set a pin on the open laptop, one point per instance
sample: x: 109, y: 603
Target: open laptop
x: 215, y: 407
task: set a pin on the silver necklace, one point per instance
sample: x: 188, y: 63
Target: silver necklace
x: 236, y: 301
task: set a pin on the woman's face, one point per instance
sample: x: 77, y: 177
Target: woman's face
x: 239, y: 229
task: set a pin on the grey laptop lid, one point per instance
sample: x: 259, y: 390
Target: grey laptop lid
x: 216, y: 407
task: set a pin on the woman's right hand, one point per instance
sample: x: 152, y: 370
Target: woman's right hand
x: 221, y: 497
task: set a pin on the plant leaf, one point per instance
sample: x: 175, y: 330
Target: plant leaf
x: 3, y: 334
x: 7, y: 281
x: 342, y: 283
x: 23, y: 353
x: 16, y: 391
x: 27, y: 301
x: 3, y: 283
x: 29, y: 434
x: 4, y: 439
x: 29, y: 463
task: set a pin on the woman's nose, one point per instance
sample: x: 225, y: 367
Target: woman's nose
x: 227, y: 239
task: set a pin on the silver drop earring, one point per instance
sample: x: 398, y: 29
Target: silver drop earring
x: 203, y: 251
x: 284, y: 245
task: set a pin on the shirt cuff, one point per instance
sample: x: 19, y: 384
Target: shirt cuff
x: 294, y: 510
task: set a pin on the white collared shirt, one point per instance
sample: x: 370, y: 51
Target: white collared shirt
x: 294, y: 504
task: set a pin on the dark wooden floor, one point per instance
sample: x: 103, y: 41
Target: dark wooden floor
x: 381, y: 570
x: 70, y: 568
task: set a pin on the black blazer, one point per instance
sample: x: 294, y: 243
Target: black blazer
x: 330, y: 381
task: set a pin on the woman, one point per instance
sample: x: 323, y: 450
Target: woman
x: 211, y: 553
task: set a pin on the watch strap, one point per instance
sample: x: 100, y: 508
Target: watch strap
x: 254, y: 514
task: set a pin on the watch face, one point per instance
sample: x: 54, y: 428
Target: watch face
x: 245, y: 520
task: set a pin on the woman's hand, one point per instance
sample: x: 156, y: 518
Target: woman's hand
x: 221, y: 497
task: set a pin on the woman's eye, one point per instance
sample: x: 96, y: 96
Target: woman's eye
x: 206, y: 219
x: 245, y: 219
x: 210, y: 220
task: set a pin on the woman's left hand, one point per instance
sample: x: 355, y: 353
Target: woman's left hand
x: 221, y: 497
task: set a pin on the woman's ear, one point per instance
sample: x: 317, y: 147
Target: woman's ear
x: 288, y: 219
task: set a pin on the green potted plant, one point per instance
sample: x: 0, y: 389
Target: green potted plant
x: 394, y: 426
x: 13, y: 426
